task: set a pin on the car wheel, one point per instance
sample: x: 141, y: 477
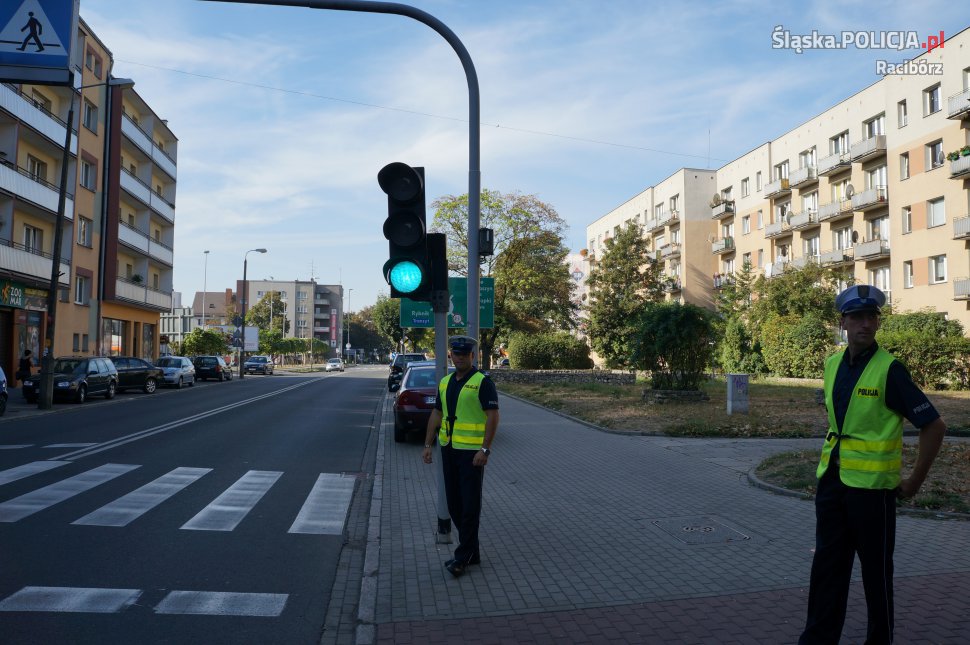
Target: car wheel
x: 150, y: 386
x: 82, y: 394
x: 110, y: 393
x: 222, y: 377
x: 192, y: 382
x: 179, y: 384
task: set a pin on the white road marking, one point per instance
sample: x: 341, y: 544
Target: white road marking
x: 325, y: 508
x: 19, y: 472
x: 229, y: 509
x: 129, y: 508
x: 218, y: 603
x: 16, y: 446
x: 70, y: 445
x: 70, y: 599
x: 34, y: 501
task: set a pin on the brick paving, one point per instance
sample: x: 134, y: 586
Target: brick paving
x: 593, y: 537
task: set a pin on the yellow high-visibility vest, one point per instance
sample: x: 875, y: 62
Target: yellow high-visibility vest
x: 871, y: 441
x: 469, y: 430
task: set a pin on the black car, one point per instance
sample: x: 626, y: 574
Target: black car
x: 3, y: 392
x: 76, y: 378
x: 258, y: 365
x: 207, y: 367
x: 398, y: 365
x: 137, y: 373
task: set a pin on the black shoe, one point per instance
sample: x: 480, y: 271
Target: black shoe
x: 455, y: 569
x: 475, y: 560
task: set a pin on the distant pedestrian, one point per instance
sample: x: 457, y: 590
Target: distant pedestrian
x: 24, y: 367
x: 36, y: 29
x: 464, y: 420
x: 867, y: 395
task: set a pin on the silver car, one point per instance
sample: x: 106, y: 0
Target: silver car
x: 177, y: 370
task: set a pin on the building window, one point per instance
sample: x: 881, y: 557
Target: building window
x: 36, y: 168
x: 155, y: 281
x: 907, y: 219
x: 879, y: 278
x: 40, y: 101
x: 81, y: 290
x: 935, y: 212
x: 89, y: 175
x: 811, y: 247
x: 757, y: 181
x: 745, y: 187
x: 904, y: 166
x: 874, y: 126
x: 839, y: 143
x: 781, y: 170
x: 937, y: 269
x: 932, y: 100
x: 876, y: 178
x: 878, y: 228
x: 746, y: 224
x: 934, y: 154
x: 674, y: 202
x: 90, y: 117
x: 807, y: 158
x: 746, y: 260
x: 842, y: 238
x: 84, y: 231
x: 761, y: 218
x: 908, y: 275
x: 33, y: 239
x: 902, y: 114
x: 76, y: 345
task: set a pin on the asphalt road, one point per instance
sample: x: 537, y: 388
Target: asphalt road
x: 210, y: 514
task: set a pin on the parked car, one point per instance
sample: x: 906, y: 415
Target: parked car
x: 334, y: 365
x: 3, y: 392
x: 207, y: 367
x: 398, y: 365
x: 76, y: 378
x: 415, y: 399
x: 177, y: 370
x: 137, y: 373
x: 258, y: 365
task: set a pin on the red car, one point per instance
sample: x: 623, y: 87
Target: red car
x: 415, y: 400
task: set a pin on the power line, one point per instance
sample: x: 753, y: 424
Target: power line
x: 419, y: 113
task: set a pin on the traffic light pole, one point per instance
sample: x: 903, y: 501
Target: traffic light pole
x: 474, y: 119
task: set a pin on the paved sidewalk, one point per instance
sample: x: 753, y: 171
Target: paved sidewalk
x: 589, y: 537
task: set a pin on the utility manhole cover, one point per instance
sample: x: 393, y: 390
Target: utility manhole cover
x: 700, y: 530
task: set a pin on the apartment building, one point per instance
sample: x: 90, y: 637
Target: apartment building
x: 310, y: 308
x: 877, y: 185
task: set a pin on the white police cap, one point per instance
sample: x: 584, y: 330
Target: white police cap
x: 860, y: 297
x: 462, y: 344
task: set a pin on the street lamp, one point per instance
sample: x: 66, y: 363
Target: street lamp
x: 242, y: 321
x: 346, y: 326
x: 46, y: 399
x: 205, y: 271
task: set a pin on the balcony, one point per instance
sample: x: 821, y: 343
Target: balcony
x: 672, y: 285
x: 143, y: 141
x: 674, y: 217
x: 833, y: 163
x: 19, y: 182
x: 777, y: 267
x: 18, y: 259
x: 959, y: 105
x: 834, y: 210
x: 961, y: 289
x: 777, y: 229
x: 664, y: 218
x: 777, y: 187
x: 805, y: 219
x: 317, y: 329
x: 960, y: 168
x: 722, y: 210
x: 803, y: 177
x: 651, y: 225
x: 872, y: 250
x: 140, y: 294
x: 961, y: 228
x: 24, y: 109
x: 671, y: 250
x: 804, y: 261
x: 723, y: 245
x: 835, y: 256
x: 868, y: 148
x: 869, y: 199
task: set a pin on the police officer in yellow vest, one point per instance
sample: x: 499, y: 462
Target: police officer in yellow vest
x: 867, y: 394
x: 465, y: 419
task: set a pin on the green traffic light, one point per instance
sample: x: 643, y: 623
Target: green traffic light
x: 406, y: 276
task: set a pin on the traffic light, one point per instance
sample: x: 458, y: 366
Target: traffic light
x: 408, y: 269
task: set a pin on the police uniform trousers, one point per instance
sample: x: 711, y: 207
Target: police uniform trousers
x: 849, y: 521
x: 463, y: 488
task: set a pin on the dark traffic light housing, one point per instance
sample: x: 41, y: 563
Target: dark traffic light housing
x: 408, y: 270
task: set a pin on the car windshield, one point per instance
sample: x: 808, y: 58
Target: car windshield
x: 68, y: 366
x: 257, y: 359
x: 169, y: 362
x: 422, y: 377
x: 335, y: 361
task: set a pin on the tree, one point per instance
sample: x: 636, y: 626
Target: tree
x: 797, y: 292
x: 364, y: 334
x: 532, y: 285
x: 386, y: 314
x: 621, y: 284
x: 259, y: 315
x: 675, y: 343
x: 205, y: 342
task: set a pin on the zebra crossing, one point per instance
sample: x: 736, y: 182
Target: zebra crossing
x: 323, y: 512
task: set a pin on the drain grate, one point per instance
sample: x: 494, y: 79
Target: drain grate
x: 700, y: 530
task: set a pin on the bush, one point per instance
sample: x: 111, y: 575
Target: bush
x: 738, y: 352
x: 930, y: 346
x: 549, y: 351
x: 796, y: 346
x: 675, y: 344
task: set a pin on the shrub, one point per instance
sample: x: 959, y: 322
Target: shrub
x: 549, y: 351
x: 675, y: 344
x: 930, y: 346
x: 738, y: 352
x: 796, y: 346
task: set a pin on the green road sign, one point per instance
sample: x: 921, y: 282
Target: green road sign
x: 419, y: 314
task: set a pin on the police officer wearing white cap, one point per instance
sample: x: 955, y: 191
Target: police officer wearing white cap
x: 464, y: 421
x: 868, y: 393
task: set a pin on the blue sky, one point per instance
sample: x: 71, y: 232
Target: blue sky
x: 285, y: 115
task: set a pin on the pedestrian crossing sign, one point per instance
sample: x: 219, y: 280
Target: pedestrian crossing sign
x: 36, y: 40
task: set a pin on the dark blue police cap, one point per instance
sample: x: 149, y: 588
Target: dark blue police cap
x: 462, y: 344
x: 860, y: 297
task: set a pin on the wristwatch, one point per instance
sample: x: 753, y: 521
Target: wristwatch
x: 487, y: 451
